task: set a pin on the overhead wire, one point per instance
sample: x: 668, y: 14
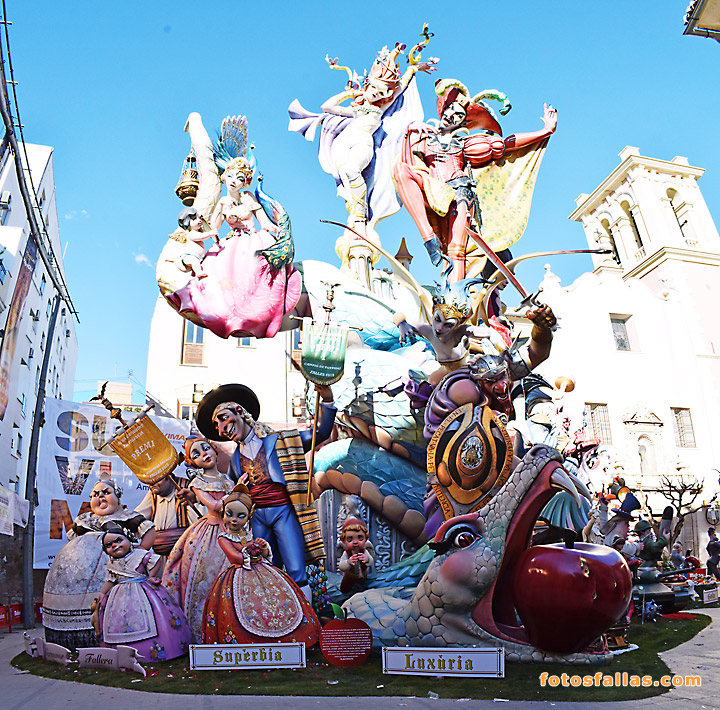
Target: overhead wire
x: 45, y: 244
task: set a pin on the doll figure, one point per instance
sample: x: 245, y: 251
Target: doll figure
x: 239, y: 208
x: 357, y: 552
x: 134, y: 608
x: 253, y: 601
x: 182, y: 255
x: 359, y: 140
x: 78, y: 570
x: 248, y: 282
x: 194, y: 249
x: 196, y: 560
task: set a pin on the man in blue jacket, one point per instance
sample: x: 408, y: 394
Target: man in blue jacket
x: 272, y: 466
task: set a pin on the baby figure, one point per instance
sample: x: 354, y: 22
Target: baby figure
x: 357, y: 553
x: 193, y: 249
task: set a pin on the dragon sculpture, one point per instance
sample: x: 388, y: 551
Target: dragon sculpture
x: 460, y: 589
x: 466, y: 596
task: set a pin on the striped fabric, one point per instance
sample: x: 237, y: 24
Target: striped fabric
x: 180, y: 507
x: 291, y: 455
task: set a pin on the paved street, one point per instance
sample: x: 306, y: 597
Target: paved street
x: 700, y: 656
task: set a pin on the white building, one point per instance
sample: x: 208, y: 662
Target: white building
x: 24, y: 348
x: 640, y: 333
x: 185, y: 362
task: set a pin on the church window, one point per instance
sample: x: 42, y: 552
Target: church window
x: 620, y: 332
x: 633, y: 224
x: 683, y: 428
x: 597, y: 419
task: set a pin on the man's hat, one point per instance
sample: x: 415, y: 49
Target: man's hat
x: 642, y: 526
x: 240, y: 394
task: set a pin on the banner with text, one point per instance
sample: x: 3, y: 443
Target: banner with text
x: 12, y: 324
x: 69, y: 462
x: 322, y: 361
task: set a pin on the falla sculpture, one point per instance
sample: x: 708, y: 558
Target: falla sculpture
x: 245, y: 283
x: 426, y: 410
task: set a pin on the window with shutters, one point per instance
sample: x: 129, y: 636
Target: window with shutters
x: 192, y: 349
x: 683, y: 428
x: 597, y: 418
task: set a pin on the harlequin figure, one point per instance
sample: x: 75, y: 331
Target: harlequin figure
x: 432, y: 175
x: 253, y: 601
x: 135, y: 609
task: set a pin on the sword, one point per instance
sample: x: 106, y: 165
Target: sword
x: 528, y: 299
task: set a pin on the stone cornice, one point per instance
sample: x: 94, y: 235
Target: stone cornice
x: 672, y: 254
x: 620, y: 174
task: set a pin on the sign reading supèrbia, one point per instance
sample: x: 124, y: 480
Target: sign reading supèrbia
x: 471, y: 662
x: 247, y: 656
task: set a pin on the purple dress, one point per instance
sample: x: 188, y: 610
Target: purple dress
x: 141, y: 614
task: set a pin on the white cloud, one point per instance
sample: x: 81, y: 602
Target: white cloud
x: 142, y: 259
x: 72, y: 214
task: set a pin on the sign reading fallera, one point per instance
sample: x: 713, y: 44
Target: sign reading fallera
x: 469, y: 662
x: 247, y: 656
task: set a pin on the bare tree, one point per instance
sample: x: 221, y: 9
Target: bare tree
x: 682, y: 492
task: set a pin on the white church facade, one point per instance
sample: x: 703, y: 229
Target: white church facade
x: 639, y: 334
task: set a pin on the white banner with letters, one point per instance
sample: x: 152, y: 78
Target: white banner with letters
x: 70, y: 461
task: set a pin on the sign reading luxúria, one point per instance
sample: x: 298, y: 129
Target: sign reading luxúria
x: 248, y: 656
x: 471, y: 662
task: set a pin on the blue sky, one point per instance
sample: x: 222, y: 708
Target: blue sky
x: 110, y: 86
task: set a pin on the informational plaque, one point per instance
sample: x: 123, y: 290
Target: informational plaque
x: 346, y: 642
x: 710, y: 596
x: 470, y: 662
x: 247, y: 656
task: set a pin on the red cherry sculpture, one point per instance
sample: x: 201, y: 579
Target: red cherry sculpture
x: 568, y: 596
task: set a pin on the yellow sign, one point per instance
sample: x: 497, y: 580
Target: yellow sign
x: 146, y: 451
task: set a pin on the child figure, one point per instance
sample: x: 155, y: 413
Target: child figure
x: 253, y: 601
x: 134, y: 609
x: 194, y: 249
x: 182, y: 255
x: 357, y: 553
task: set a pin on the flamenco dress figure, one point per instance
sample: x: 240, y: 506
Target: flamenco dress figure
x: 196, y: 560
x: 249, y: 282
x: 78, y: 571
x: 135, y: 609
x: 253, y: 601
